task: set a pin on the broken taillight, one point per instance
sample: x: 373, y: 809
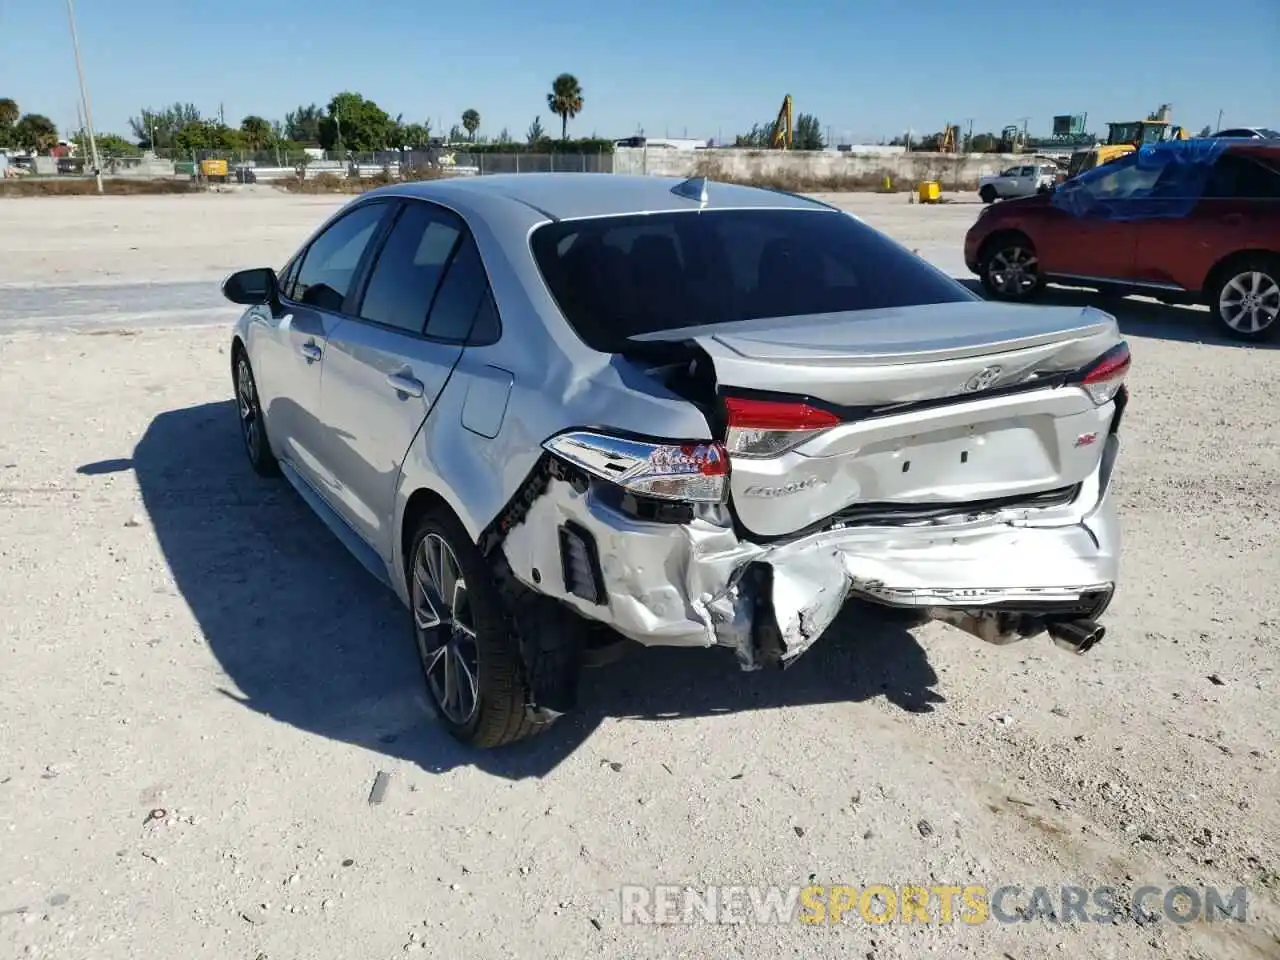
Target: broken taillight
x: 692, y: 472
x: 1105, y: 376
x: 766, y: 428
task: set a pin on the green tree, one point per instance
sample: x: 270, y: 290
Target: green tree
x: 471, y: 122
x: 303, y: 124
x: 256, y: 131
x: 35, y: 132
x: 417, y: 136
x: 760, y: 136
x: 163, y: 124
x: 1205, y: 131
x: 9, y: 114
x: 109, y: 145
x: 535, y: 132
x: 807, y: 134
x: 503, y: 136
x: 565, y: 100
x: 354, y: 123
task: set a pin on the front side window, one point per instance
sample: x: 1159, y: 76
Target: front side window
x: 328, y: 267
x: 618, y: 277
x: 410, y: 266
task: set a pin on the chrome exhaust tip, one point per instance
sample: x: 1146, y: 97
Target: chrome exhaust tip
x: 1076, y: 636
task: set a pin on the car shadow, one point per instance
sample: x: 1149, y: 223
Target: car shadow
x: 1141, y: 317
x: 309, y: 638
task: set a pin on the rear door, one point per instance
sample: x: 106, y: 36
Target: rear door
x: 1238, y: 210
x: 385, y: 368
x: 289, y: 356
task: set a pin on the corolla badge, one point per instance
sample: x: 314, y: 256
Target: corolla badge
x: 981, y: 380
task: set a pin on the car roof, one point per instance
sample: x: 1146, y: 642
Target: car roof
x: 1260, y: 148
x: 569, y: 196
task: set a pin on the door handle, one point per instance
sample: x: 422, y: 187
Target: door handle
x: 405, y: 384
x: 310, y: 350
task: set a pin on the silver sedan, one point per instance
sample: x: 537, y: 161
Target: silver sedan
x: 561, y: 413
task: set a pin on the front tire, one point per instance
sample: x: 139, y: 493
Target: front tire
x: 469, y: 655
x: 1246, y: 298
x: 1010, y: 269
x: 987, y: 194
x: 253, y: 426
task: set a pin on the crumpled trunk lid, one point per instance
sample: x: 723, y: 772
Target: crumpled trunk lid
x: 945, y: 409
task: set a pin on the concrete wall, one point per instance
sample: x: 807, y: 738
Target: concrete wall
x: 817, y: 170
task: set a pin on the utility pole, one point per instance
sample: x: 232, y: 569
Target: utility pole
x: 84, y: 96
x: 968, y: 137
x: 1219, y: 126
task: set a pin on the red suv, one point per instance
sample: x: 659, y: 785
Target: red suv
x: 1186, y: 222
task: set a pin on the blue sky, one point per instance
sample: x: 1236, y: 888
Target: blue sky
x: 708, y: 68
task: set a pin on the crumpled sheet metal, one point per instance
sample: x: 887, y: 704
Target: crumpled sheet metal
x: 678, y: 584
x: 685, y: 584
x: 1179, y: 170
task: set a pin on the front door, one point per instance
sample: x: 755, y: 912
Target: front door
x: 290, y: 356
x: 385, y: 368
x: 1095, y: 236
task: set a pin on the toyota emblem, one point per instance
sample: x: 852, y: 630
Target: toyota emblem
x: 981, y: 380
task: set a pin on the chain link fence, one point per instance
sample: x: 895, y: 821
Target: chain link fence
x: 276, y: 164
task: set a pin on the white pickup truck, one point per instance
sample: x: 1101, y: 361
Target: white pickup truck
x: 1020, y: 181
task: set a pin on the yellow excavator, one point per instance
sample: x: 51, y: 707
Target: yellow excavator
x: 780, y: 139
x: 1124, y: 138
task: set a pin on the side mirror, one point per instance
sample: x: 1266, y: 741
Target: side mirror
x: 252, y: 287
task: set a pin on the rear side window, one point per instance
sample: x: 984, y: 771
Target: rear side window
x: 617, y: 277
x: 1243, y: 178
x: 328, y: 268
x: 460, y: 294
x: 410, y: 267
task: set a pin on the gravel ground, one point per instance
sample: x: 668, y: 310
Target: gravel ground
x: 199, y: 686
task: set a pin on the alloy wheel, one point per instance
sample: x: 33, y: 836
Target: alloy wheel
x: 1250, y: 302
x: 444, y: 628
x: 1012, y: 271
x: 247, y: 398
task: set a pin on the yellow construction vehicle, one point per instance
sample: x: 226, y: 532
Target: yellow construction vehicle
x: 1124, y: 138
x: 780, y: 139
x: 948, y: 142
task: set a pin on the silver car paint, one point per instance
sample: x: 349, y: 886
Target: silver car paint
x: 476, y: 442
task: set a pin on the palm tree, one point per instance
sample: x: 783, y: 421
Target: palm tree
x: 257, y: 132
x: 471, y: 122
x: 9, y: 112
x: 565, y: 100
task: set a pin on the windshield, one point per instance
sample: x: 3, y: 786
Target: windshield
x: 616, y: 277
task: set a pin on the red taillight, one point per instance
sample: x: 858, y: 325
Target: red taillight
x: 766, y: 428
x: 777, y: 415
x: 1105, y: 376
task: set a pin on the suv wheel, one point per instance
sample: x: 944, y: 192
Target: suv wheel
x: 1010, y: 269
x: 470, y: 659
x: 1246, y: 299
x: 987, y: 194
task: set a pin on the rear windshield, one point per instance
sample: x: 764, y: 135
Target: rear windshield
x: 616, y: 277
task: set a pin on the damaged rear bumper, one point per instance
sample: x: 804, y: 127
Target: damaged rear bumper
x: 1001, y: 576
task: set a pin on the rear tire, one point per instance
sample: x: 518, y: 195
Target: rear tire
x: 253, y: 425
x: 470, y: 659
x: 988, y: 194
x: 1010, y: 269
x: 1246, y: 298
